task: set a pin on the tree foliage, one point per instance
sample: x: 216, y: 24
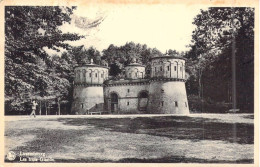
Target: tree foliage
x: 219, y: 33
x: 29, y: 71
x: 119, y: 57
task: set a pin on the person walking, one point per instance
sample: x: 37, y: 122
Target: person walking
x: 34, y: 104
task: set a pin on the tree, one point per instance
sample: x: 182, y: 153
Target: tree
x: 119, y: 57
x: 223, y: 44
x: 28, y: 30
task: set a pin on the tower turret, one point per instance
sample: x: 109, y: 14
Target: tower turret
x: 167, y: 92
x: 135, y: 71
x: 88, y: 88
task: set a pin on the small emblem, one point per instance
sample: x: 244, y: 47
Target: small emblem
x: 11, y: 156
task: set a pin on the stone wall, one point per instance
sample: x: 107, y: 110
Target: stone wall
x: 128, y: 100
x: 168, y: 97
x: 87, y: 99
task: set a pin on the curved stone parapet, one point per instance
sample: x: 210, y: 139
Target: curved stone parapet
x: 168, y: 67
x: 90, y: 74
x: 135, y: 71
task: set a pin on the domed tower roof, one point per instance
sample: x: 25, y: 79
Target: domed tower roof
x: 135, y: 63
x: 135, y: 70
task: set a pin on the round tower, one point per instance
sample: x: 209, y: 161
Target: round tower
x: 88, y: 88
x: 167, y: 92
x: 135, y: 71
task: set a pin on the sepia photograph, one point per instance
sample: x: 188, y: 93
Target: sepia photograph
x: 129, y: 83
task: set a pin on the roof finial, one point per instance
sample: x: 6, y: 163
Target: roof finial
x: 133, y: 60
x: 91, y: 61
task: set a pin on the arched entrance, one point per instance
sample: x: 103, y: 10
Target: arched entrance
x: 114, y: 102
x: 142, y: 100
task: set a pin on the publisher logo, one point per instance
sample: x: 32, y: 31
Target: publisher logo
x: 11, y: 156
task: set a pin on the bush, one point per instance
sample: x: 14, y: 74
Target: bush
x: 198, y: 105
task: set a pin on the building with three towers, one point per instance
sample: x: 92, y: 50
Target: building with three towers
x: 164, y: 92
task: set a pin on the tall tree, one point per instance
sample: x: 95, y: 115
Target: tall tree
x: 28, y: 30
x: 224, y: 36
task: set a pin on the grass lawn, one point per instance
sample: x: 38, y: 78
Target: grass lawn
x: 195, y: 138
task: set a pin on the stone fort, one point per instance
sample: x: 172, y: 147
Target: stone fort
x: 163, y: 92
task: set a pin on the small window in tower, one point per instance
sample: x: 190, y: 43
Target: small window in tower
x: 82, y: 105
x: 162, y: 103
x: 130, y: 75
x: 136, y: 74
x: 128, y: 103
x: 180, y: 68
x: 89, y: 74
x: 102, y: 75
x: 162, y: 90
x: 128, y: 90
x: 160, y: 68
x: 185, y: 104
x: 96, y: 105
x: 176, y: 104
x: 96, y: 75
x: 155, y: 69
x: 175, y: 68
x: 168, y: 68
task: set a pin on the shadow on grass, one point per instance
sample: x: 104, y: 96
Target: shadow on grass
x: 181, y: 127
x: 50, y: 140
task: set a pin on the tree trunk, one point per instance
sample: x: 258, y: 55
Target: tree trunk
x: 46, y: 110
x: 59, y: 106
x: 200, y: 84
x: 40, y: 107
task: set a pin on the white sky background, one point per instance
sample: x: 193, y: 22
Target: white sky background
x: 164, y: 26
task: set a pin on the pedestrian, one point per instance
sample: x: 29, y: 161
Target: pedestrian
x: 34, y: 104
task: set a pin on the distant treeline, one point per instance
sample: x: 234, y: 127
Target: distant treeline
x: 31, y: 73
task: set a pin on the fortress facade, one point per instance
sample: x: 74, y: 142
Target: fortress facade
x: 163, y: 92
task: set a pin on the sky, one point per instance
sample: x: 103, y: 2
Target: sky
x: 164, y: 26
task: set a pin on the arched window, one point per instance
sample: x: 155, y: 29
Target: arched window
x: 84, y: 73
x: 114, y: 102
x: 142, y: 100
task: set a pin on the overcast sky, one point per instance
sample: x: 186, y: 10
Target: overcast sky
x: 162, y: 26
